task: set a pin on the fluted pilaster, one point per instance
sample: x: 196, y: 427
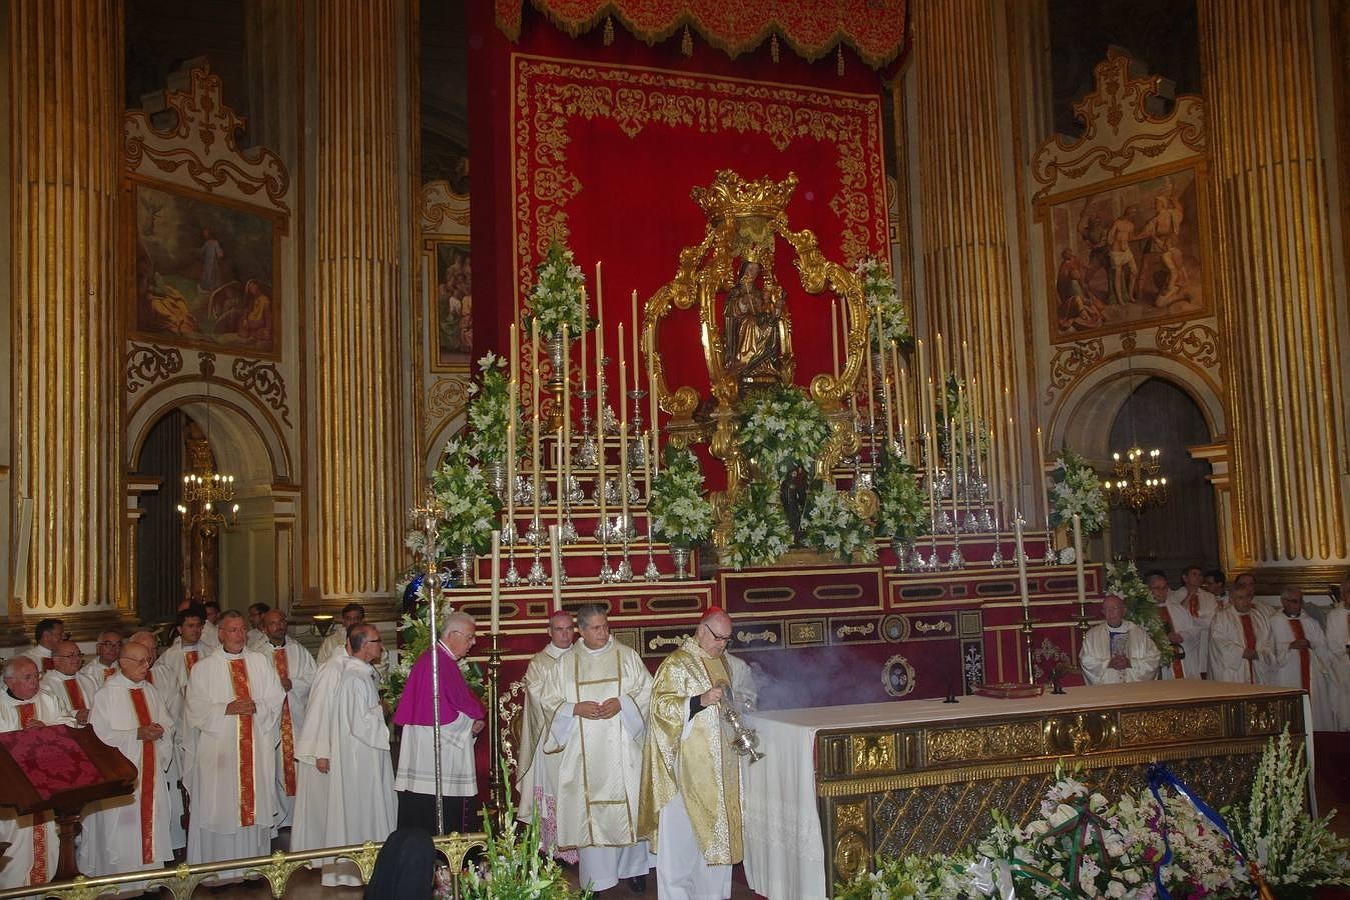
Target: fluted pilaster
x: 968, y: 292
x: 1275, y: 284
x: 65, y: 118
x: 358, y: 457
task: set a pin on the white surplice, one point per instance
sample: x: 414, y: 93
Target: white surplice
x: 357, y: 793
x: 53, y: 684
x: 538, y: 781
x: 1338, y: 648
x: 1205, y: 606
x: 113, y: 830
x: 600, y: 771
x: 336, y: 640
x: 94, y: 675
x: 314, y: 742
x: 1228, y: 644
x: 301, y: 669
x: 170, y: 677
x: 19, y: 831
x: 216, y: 830
x: 1287, y: 666
x: 1127, y: 638
x: 1184, y: 624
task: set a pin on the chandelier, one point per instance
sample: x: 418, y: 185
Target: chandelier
x: 207, y: 493
x: 1138, y: 482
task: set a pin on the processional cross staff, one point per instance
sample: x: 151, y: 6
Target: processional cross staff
x: 429, y: 516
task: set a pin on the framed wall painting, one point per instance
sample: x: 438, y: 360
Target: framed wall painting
x: 204, y: 270
x: 451, y: 313
x: 1127, y: 253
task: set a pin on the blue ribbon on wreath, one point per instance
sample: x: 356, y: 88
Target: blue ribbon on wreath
x: 1158, y: 776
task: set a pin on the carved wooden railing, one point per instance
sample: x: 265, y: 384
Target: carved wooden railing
x: 277, y: 869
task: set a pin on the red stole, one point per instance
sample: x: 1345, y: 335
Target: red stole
x: 1193, y: 603
x: 1297, y: 628
x: 148, y: 771
x: 190, y: 658
x: 1177, y: 670
x: 108, y: 672
x: 239, y: 678
x: 1249, y: 643
x: 38, y: 873
x: 287, y: 724
x: 75, y: 694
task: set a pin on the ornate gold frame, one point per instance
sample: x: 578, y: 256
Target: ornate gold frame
x: 745, y: 220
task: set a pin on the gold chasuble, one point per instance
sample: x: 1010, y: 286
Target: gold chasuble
x: 699, y: 763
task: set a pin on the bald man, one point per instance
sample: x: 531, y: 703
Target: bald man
x: 103, y: 666
x: 31, y: 857
x: 1117, y: 651
x: 62, y: 683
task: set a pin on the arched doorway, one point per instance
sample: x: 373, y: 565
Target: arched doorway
x: 1183, y: 529
x: 236, y: 565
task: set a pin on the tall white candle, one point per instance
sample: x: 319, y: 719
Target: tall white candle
x: 555, y: 563
x: 585, y: 314
x: 1021, y: 565
x: 537, y: 459
x: 496, y: 581
x: 1078, y: 560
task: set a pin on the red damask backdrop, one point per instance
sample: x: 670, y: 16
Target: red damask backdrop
x: 600, y: 145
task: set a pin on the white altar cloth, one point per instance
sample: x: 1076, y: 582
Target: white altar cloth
x: 784, y: 848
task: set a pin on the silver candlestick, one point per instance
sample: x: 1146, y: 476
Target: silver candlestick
x: 537, y: 575
x: 637, y: 454
x: 652, y: 573
x: 996, y: 560
x: 586, y: 452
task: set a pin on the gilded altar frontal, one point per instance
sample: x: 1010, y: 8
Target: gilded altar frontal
x: 837, y: 448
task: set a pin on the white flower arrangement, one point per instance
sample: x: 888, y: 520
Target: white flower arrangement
x: 680, y: 512
x: 832, y: 524
x: 1077, y: 488
x: 486, y: 440
x: 1274, y: 829
x: 469, y: 506
x: 558, y: 297
x: 883, y: 304
x: 780, y: 428
x: 903, y: 505
x: 759, y: 532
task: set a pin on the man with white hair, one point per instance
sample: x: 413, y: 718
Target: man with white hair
x: 104, y: 665
x: 596, y: 700
x: 461, y: 717
x: 124, y: 834
x: 1117, y: 651
x: 1239, y: 640
x: 63, y: 684
x: 538, y: 771
x: 233, y: 703
x: 33, y: 842
x: 1300, y: 658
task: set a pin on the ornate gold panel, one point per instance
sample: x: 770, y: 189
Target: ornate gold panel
x: 872, y: 753
x: 850, y: 855
x: 1081, y: 733
x: 1008, y: 740
x: 850, y: 816
x: 1170, y: 726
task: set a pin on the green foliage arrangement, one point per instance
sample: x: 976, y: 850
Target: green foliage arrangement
x: 680, y: 512
x: 832, y: 524
x: 904, y: 506
x: 1122, y: 579
x: 759, y: 532
x: 884, y: 303
x: 780, y: 428
x: 1077, y: 488
x: 465, y: 494
x: 557, y: 298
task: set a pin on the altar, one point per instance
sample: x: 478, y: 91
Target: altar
x: 840, y: 785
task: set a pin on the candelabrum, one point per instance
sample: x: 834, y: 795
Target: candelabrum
x: 1051, y: 557
x: 587, y: 456
x: 996, y: 559
x: 570, y: 493
x: 934, y: 563
x: 916, y: 561
x: 637, y: 454
x: 497, y: 807
x: 537, y: 576
x: 625, y: 570
x: 956, y: 561
x: 535, y: 535
x: 634, y: 490
x: 652, y: 573
x: 508, y: 537
x: 606, y: 574
x: 1028, y: 659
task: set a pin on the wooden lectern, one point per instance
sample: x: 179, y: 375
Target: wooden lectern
x: 61, y: 769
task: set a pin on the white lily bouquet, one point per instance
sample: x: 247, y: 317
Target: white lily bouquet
x: 832, y: 524
x: 884, y: 304
x: 1077, y: 489
x: 760, y: 532
x: 466, y: 496
x: 558, y: 297
x: 486, y: 441
x: 780, y: 428
x: 680, y: 512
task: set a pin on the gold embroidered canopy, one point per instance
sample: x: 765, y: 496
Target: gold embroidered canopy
x: 812, y: 28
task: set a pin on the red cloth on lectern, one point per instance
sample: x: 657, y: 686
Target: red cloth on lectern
x: 51, y: 758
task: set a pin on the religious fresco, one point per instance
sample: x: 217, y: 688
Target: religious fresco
x: 205, y: 271
x: 453, y: 303
x: 1127, y: 254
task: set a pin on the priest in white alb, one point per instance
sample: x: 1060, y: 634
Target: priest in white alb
x: 295, y: 669
x: 63, y: 684
x: 1116, y: 651
x: 596, y: 699
x: 353, y: 614
x: 355, y: 777
x: 692, y: 794
x: 127, y: 833
x: 1239, y: 641
x: 1300, y: 658
x: 537, y: 783
x: 233, y: 703
x: 104, y: 665
x: 33, y: 846
x: 1201, y: 605
x: 1183, y: 631
x: 1338, y: 648
x: 461, y: 717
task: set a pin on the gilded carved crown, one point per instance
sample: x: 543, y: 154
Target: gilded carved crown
x: 732, y: 197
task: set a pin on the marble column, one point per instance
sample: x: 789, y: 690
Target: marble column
x: 64, y: 133
x: 358, y: 455
x: 965, y: 234
x: 1276, y: 294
